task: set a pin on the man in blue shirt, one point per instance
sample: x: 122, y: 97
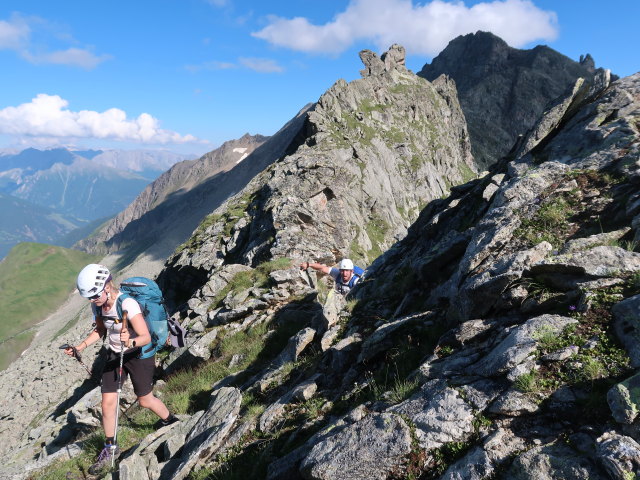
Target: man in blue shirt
x: 345, y: 276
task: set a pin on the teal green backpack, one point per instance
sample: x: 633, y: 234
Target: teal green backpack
x: 149, y: 296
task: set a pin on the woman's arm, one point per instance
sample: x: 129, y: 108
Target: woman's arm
x: 96, y: 334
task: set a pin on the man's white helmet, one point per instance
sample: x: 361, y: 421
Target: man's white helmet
x: 345, y: 264
x: 92, y: 279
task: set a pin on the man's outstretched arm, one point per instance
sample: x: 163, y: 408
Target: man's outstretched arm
x: 320, y: 267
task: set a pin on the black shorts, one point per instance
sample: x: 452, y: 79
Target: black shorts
x: 141, y: 371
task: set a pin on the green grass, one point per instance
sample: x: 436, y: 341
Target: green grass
x: 550, y: 223
x: 402, y: 389
x: 77, y: 466
x: 188, y: 390
x: 527, y: 382
x: 377, y: 229
x: 466, y: 173
x: 35, y: 279
x: 548, y: 339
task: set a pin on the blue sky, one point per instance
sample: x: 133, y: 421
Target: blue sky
x: 186, y: 75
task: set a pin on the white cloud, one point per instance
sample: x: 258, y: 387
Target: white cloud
x: 262, y: 65
x: 48, y: 116
x: 76, y: 57
x: 213, y: 65
x: 421, y: 29
x: 16, y: 35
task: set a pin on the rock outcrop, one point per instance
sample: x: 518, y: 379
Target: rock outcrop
x: 511, y: 87
x: 374, y: 152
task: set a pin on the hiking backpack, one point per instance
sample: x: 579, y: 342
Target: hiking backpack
x: 149, y: 296
x: 357, y: 272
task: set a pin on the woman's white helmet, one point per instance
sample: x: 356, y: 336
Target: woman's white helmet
x: 92, y: 279
x: 345, y: 264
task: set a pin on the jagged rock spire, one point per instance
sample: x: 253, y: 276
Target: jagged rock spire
x: 392, y: 59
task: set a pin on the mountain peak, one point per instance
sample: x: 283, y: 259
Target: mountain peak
x: 510, y: 85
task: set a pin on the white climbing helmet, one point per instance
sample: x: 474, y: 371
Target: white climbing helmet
x: 92, y: 279
x: 345, y: 264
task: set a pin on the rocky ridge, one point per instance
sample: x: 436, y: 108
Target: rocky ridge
x: 374, y: 151
x: 483, y: 344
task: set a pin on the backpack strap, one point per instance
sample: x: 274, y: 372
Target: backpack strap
x: 121, y: 298
x: 353, y: 280
x: 96, y: 312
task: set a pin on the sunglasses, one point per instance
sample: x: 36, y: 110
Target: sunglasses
x: 95, y: 297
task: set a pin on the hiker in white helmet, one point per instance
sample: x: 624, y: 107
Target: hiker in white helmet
x: 124, y: 342
x: 345, y: 275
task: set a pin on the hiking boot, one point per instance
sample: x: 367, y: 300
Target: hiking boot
x: 171, y: 419
x: 108, y: 453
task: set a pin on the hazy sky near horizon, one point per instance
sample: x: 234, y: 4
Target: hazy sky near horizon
x: 187, y: 75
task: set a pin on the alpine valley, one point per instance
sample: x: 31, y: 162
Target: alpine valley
x: 46, y: 194
x: 494, y: 200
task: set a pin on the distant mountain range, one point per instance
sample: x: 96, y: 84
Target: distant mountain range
x: 22, y: 221
x: 46, y: 194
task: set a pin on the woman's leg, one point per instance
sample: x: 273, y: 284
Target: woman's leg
x: 141, y: 373
x: 109, y: 401
x: 154, y: 404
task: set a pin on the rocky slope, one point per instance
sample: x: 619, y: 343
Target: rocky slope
x: 512, y: 87
x: 340, y: 161
x: 496, y: 339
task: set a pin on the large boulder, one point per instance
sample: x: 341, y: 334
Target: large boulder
x: 367, y: 450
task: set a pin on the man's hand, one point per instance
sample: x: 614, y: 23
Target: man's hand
x: 304, y: 265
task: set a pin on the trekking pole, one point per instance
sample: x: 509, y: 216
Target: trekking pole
x: 76, y: 354
x: 115, y: 432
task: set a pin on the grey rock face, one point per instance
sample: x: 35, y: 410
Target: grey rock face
x: 369, y: 449
x: 276, y: 410
x: 553, y: 461
x: 510, y: 86
x: 439, y: 414
x: 623, y: 400
x: 627, y: 326
x: 513, y: 404
x: 619, y: 454
x: 596, y: 262
x: 132, y: 468
x: 381, y: 340
x: 519, y: 344
x: 210, y: 431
